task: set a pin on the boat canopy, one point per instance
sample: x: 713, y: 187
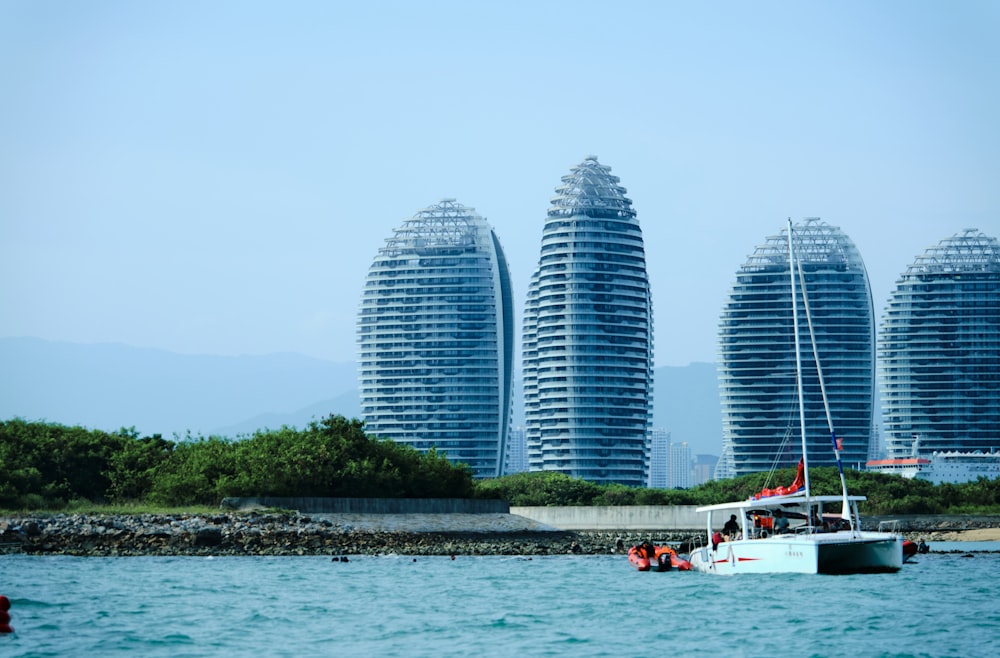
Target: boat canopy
x: 773, y: 502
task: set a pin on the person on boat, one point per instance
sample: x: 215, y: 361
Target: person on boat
x: 819, y: 525
x: 780, y: 522
x: 646, y: 550
x: 732, y: 527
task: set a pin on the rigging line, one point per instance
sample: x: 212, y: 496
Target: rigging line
x: 781, y: 449
x: 845, y: 511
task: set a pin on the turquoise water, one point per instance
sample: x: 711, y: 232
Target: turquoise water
x: 943, y: 604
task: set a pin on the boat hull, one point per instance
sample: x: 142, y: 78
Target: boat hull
x: 864, y: 556
x: 640, y: 563
x: 831, y: 553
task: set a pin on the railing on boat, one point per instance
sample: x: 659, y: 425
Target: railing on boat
x: 891, y: 526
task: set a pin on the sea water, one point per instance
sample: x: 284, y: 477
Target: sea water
x: 940, y: 604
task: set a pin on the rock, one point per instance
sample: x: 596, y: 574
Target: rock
x: 208, y: 537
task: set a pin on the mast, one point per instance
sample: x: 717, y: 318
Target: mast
x: 798, y: 363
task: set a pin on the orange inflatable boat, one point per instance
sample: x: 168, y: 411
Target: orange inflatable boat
x: 649, y: 557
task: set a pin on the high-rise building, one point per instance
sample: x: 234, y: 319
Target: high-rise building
x: 517, y: 453
x: 680, y: 466
x: 436, y: 338
x: 670, y: 464
x: 939, y: 350
x: 588, y: 335
x: 703, y: 469
x: 659, y: 458
x: 757, y: 378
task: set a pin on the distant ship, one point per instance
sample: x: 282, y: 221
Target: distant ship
x: 946, y: 466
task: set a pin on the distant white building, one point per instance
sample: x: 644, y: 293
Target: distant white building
x: 670, y: 464
x: 517, y: 452
x: 659, y: 458
x: 952, y: 466
x: 680, y: 466
x: 703, y: 469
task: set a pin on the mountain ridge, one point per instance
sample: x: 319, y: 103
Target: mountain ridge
x: 109, y: 386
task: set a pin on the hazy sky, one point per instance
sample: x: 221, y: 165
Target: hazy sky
x: 216, y: 177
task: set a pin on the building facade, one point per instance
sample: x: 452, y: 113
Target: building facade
x: 659, y: 458
x: 757, y: 376
x: 939, y: 351
x: 436, y: 339
x: 517, y: 452
x: 588, y: 335
x: 680, y: 466
x: 704, y: 469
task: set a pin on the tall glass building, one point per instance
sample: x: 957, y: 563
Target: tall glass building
x: 760, y: 415
x: 588, y: 335
x: 436, y: 338
x: 659, y: 458
x: 939, y: 350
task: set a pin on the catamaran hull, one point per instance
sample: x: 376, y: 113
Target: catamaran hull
x: 834, y: 553
x: 866, y: 556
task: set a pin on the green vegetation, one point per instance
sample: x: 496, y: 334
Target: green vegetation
x: 46, y: 466
x: 527, y: 489
x: 887, y: 494
x: 50, y: 466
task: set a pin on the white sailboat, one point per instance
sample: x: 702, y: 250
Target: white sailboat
x: 788, y: 530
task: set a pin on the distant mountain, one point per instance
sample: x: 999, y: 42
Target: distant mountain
x: 346, y: 404
x: 109, y: 386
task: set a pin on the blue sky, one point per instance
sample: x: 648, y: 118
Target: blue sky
x: 216, y: 177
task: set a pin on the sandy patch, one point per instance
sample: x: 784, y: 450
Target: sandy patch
x: 978, y: 534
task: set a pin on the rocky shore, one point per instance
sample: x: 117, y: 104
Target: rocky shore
x: 288, y: 534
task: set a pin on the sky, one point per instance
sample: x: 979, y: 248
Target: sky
x: 217, y: 177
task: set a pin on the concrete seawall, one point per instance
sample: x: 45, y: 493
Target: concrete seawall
x: 632, y: 517
x: 470, y: 515
x: 570, y: 517
x: 372, y: 505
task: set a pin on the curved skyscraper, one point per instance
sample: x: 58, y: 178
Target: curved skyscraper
x: 757, y: 355
x: 939, y: 349
x: 436, y: 338
x: 588, y: 335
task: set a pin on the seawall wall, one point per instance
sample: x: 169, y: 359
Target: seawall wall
x: 569, y: 517
x: 372, y: 505
x: 680, y: 518
x: 632, y: 517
